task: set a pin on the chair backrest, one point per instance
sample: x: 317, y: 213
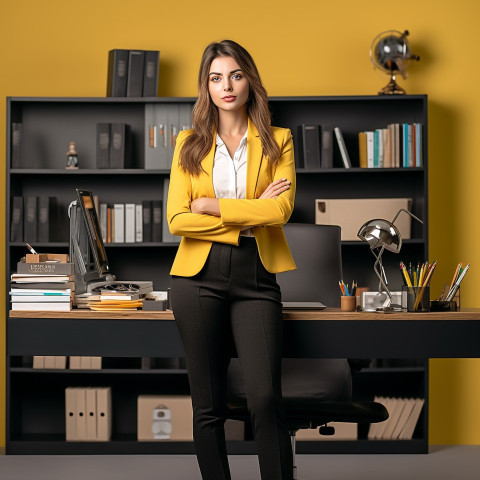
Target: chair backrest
x: 316, y: 250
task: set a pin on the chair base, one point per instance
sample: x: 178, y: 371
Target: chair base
x: 294, y: 449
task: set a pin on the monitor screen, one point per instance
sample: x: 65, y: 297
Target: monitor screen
x: 94, y: 234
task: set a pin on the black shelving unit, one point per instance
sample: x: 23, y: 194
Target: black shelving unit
x: 35, y: 422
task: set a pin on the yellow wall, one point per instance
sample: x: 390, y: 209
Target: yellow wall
x: 302, y: 47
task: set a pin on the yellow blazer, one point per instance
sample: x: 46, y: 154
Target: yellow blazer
x: 267, y: 216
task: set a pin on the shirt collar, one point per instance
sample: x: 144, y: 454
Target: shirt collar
x: 220, y: 142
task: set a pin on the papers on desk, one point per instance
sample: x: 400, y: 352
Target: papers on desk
x: 403, y: 415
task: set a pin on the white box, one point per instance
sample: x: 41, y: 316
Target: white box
x: 351, y: 213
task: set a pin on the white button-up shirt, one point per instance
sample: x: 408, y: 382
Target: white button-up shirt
x: 230, y: 174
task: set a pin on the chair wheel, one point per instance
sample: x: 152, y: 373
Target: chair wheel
x: 326, y: 430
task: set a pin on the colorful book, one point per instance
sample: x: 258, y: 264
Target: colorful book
x: 362, y: 150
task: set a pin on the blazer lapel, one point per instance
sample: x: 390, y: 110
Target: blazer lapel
x: 254, y: 159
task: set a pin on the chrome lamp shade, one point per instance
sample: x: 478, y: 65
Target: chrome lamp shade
x: 380, y: 233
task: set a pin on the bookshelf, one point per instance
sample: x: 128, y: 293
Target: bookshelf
x: 50, y: 123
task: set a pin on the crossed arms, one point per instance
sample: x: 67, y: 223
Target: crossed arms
x: 221, y: 220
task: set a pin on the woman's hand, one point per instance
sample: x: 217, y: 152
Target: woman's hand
x: 276, y: 188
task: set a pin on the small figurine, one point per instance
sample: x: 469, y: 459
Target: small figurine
x: 72, y: 158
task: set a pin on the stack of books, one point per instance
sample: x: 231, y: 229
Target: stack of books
x: 112, y: 300
x: 130, y: 222
x: 403, y: 415
x: 396, y: 146
x: 43, y: 286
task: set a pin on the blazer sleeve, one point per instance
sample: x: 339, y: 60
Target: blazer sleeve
x: 268, y: 211
x: 181, y: 221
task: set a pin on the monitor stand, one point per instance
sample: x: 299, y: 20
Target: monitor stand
x: 87, y: 276
x: 81, y: 254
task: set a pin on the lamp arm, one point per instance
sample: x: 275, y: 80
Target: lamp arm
x: 378, y: 272
x: 406, y: 211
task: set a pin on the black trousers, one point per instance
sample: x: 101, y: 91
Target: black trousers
x: 234, y: 296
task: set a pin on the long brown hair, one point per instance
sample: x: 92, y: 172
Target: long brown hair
x: 205, y: 112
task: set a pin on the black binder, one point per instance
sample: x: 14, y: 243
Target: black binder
x: 30, y: 220
x: 136, y: 62
x: 120, y: 151
x: 327, y: 146
x: 147, y: 220
x: 311, y: 146
x: 17, y: 145
x: 16, y: 225
x: 46, y: 220
x: 150, y: 75
x: 103, y: 145
x: 117, y: 73
x: 156, y: 221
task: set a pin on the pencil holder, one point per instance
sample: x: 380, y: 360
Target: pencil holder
x: 348, y: 303
x: 456, y: 299
x: 416, y: 299
x: 444, y: 306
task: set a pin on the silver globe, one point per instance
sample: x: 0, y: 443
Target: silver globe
x: 390, y: 53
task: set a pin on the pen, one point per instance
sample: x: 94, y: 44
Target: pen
x: 422, y: 271
x: 31, y: 249
x: 443, y: 292
x: 431, y: 269
x: 405, y: 273
x: 430, y: 273
x: 403, y: 276
x: 455, y: 275
x: 453, y: 291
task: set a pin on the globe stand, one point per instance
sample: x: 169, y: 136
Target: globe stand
x: 392, y: 88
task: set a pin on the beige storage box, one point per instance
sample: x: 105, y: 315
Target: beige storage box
x: 352, y: 213
x: 164, y: 418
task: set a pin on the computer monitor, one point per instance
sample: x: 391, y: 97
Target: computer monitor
x: 316, y: 250
x: 87, y: 250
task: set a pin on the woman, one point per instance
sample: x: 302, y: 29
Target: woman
x: 232, y: 187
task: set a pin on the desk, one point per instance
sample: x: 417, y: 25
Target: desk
x: 329, y: 333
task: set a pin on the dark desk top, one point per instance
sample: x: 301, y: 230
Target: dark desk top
x: 327, y: 333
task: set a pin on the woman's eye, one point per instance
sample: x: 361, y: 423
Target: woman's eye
x: 215, y: 79
x: 237, y: 76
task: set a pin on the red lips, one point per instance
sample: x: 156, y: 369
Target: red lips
x: 229, y: 98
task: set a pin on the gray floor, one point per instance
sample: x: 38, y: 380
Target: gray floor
x: 442, y: 463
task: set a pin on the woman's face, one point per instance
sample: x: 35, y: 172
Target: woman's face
x: 227, y: 84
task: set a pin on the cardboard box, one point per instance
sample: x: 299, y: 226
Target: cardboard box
x: 170, y: 416
x: 350, y: 214
x: 43, y: 257
x: 38, y: 361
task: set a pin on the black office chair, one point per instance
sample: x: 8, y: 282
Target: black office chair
x: 315, y: 391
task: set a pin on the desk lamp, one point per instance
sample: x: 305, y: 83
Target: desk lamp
x: 383, y: 235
